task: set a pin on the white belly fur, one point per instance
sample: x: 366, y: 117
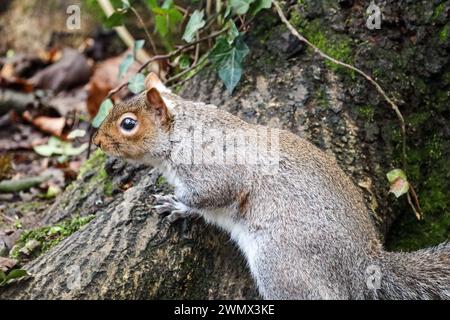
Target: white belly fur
x: 221, y: 217
x: 238, y: 231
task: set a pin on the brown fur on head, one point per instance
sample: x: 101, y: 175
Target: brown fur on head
x: 134, y: 129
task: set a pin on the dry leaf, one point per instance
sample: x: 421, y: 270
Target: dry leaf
x: 7, y: 264
x: 7, y: 71
x: 54, y: 126
x: 104, y: 79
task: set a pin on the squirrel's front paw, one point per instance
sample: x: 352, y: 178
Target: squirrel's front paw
x: 170, y: 205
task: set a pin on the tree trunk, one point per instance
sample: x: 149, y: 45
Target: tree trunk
x: 121, y: 253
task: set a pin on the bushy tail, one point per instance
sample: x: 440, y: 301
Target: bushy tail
x: 423, y: 274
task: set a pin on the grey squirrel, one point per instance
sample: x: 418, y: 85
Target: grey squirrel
x: 302, y: 226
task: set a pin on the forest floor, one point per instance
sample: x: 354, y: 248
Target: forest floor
x: 47, y: 101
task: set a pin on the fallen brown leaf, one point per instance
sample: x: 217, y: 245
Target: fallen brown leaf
x: 54, y: 126
x: 7, y: 264
x: 104, y: 79
x: 7, y: 71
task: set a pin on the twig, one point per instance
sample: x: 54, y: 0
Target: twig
x: 185, y: 17
x: 209, y: 22
x: 4, y: 216
x: 165, y: 56
x: 208, y: 8
x: 182, y: 73
x: 218, y: 6
x: 149, y: 37
x: 241, y: 18
x: 197, y: 49
x: 245, y: 24
x: 11, y: 186
x: 189, y: 77
x: 412, y: 196
x: 123, y: 33
x: 91, y: 131
x: 362, y: 73
x: 185, y: 11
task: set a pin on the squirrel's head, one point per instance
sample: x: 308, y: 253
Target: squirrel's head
x: 137, y: 129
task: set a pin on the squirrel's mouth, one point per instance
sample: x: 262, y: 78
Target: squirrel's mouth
x: 110, y: 150
x: 120, y: 153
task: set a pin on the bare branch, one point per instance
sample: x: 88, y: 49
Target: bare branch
x: 182, y: 73
x: 149, y: 37
x: 123, y: 33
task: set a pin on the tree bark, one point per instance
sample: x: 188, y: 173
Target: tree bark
x: 122, y: 254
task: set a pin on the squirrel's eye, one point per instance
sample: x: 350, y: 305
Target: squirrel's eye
x: 128, y: 124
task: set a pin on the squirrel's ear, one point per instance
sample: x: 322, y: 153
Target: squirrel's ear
x: 156, y: 104
x: 153, y: 81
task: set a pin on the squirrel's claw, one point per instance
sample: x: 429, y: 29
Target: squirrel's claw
x: 163, y: 208
x: 174, y: 216
x: 170, y: 205
x: 165, y: 203
x: 173, y: 209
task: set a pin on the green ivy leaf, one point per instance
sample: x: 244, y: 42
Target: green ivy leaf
x: 69, y: 150
x: 54, y: 230
x: 399, y: 187
x: 166, y: 19
x: 184, y: 62
x: 228, y: 60
x: 241, y: 6
x: 398, y: 182
x: 52, y: 191
x: 137, y: 83
x: 77, y: 133
x: 160, y: 11
x: 62, y: 159
x: 260, y: 5
x: 223, y: 51
x: 233, y: 31
x: 138, y: 45
x: 395, y: 174
x: 54, y: 141
x: 114, y: 20
x: 227, y: 12
x: 57, y: 146
x: 167, y: 4
x: 125, y: 65
x: 45, y: 150
x: 53, y: 146
x: 126, y: 4
x: 102, y: 113
x: 175, y: 16
x: 195, y: 23
x: 162, y: 25
x: 2, y: 277
x: 152, y: 3
x: 15, y: 274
